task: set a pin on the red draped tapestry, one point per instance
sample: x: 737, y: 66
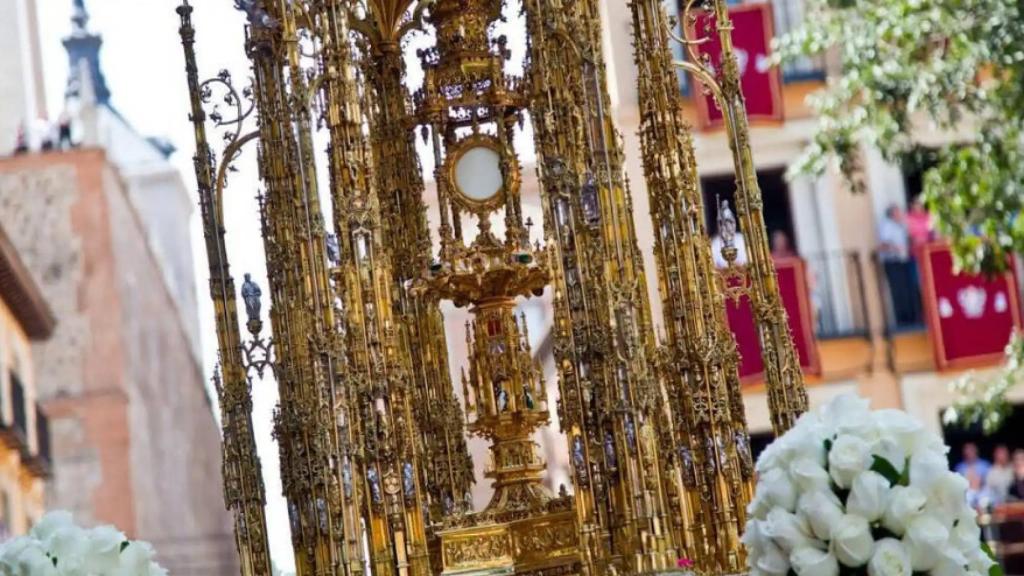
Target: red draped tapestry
x: 970, y: 317
x: 752, y: 37
x: 792, y: 276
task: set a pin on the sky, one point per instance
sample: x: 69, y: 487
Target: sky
x: 144, y: 68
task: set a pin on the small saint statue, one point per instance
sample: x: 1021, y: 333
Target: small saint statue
x: 333, y: 249
x: 609, y: 451
x: 528, y: 399
x: 408, y: 482
x: 500, y: 396
x: 374, y: 480
x: 577, y: 453
x: 726, y: 224
x: 255, y: 12
x: 251, y: 294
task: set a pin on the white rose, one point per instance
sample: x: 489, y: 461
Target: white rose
x: 26, y: 556
x: 70, y: 545
x: 952, y: 563
x: 948, y: 497
x: 851, y: 540
x: 813, y: 562
x: 778, y: 490
x: 966, y: 534
x: 889, y: 450
x: 908, y: 432
x: 823, y: 510
x: 926, y: 468
x: 773, y: 456
x: 849, y: 456
x: 979, y: 561
x: 869, y: 496
x: 50, y: 523
x: 905, y: 504
x: 135, y: 559
x: 157, y: 570
x: 848, y: 413
x: 772, y: 561
x: 889, y: 558
x: 758, y: 506
x: 787, y: 530
x: 753, y: 537
x: 105, y: 550
x: 808, y: 475
x: 925, y: 539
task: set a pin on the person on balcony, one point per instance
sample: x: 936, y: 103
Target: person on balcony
x: 781, y: 246
x: 894, y: 254
x: 1000, y: 476
x: 1016, y: 491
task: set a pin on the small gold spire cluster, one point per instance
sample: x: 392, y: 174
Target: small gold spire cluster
x: 372, y: 434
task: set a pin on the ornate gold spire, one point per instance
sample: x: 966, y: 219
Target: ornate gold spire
x: 243, y: 478
x: 302, y: 313
x: 787, y: 397
x: 700, y: 361
x: 604, y: 338
x: 378, y: 372
x: 446, y: 467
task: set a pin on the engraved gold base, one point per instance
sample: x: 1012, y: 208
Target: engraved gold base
x: 545, y: 544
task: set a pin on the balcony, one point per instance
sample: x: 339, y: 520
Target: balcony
x: 839, y: 300
x: 14, y: 431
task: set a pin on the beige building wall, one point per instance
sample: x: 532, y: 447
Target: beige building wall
x: 21, y: 88
x: 21, y: 492
x: 135, y: 441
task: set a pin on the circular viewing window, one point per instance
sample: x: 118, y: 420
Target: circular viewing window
x: 478, y: 173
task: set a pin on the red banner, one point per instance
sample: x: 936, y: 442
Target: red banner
x: 970, y: 317
x: 752, y: 34
x: 792, y: 277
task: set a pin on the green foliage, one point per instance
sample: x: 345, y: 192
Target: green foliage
x: 913, y: 65
x: 983, y: 400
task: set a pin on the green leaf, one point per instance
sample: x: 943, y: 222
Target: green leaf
x: 123, y: 546
x: 996, y: 569
x: 886, y: 469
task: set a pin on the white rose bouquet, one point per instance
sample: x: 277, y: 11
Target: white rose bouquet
x: 849, y: 491
x: 57, y: 547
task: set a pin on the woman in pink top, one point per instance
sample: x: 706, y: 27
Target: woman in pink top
x: 919, y: 226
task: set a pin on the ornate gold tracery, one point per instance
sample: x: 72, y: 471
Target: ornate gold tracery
x: 374, y: 458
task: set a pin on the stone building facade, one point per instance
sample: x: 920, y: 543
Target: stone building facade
x: 134, y: 439
x: 104, y: 231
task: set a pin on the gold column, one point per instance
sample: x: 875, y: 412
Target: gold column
x: 700, y: 365
x: 787, y: 397
x: 244, y: 493
x: 446, y: 466
x: 604, y: 339
x: 379, y: 369
x: 302, y: 314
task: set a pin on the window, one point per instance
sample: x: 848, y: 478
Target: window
x: 789, y: 15
x: 774, y: 193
